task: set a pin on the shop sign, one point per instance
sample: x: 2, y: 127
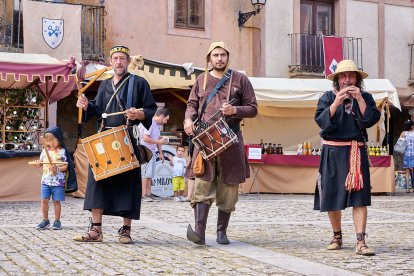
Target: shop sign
x: 162, y: 183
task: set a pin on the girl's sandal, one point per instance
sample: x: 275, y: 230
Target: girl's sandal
x: 93, y: 234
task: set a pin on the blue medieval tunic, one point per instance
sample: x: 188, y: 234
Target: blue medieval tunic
x: 330, y: 192
x: 119, y: 195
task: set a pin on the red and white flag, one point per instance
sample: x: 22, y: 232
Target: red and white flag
x: 333, y: 54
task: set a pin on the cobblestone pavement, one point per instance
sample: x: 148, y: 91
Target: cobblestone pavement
x: 270, y: 234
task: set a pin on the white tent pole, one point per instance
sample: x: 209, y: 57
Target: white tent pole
x: 387, y: 106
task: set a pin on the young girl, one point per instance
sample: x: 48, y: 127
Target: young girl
x: 53, y: 177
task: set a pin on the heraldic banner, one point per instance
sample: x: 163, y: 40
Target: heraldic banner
x: 53, y: 29
x: 333, y: 54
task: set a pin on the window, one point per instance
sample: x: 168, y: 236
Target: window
x: 316, y: 17
x: 189, y: 14
x: 17, y: 35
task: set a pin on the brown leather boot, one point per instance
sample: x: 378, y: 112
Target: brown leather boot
x: 223, y: 219
x: 200, y: 213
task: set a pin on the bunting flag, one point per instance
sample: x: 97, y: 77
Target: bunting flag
x: 53, y: 29
x: 333, y: 54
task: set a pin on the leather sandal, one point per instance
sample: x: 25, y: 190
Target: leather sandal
x: 88, y: 236
x: 361, y: 247
x: 124, y: 236
x: 336, y: 242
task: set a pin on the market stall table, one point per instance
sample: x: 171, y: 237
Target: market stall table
x: 297, y: 174
x: 19, y: 181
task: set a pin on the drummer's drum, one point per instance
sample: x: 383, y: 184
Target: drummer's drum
x: 215, y: 139
x: 110, y: 152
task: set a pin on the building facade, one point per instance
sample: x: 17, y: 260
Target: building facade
x: 181, y: 31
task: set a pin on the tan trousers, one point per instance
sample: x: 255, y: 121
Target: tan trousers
x: 226, y: 196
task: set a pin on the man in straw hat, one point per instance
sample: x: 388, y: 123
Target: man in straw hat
x: 118, y: 195
x: 344, y: 114
x: 236, y: 100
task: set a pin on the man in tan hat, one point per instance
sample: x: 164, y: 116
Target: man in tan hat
x: 344, y: 114
x: 223, y: 173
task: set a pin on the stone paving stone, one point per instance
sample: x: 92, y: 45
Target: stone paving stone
x: 280, y: 223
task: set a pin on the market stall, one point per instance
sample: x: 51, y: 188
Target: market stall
x: 28, y: 84
x: 287, y: 107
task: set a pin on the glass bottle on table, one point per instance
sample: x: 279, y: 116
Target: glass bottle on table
x: 262, y: 145
x: 279, y: 146
x: 300, y: 149
x: 306, y: 146
x: 269, y: 149
x: 273, y: 148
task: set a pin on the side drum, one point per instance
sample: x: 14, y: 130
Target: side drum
x: 110, y: 152
x: 215, y: 139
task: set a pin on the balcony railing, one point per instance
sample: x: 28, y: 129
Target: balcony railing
x: 307, y: 55
x: 92, y: 29
x: 411, y: 62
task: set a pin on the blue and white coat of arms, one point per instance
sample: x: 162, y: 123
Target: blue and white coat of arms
x: 52, y: 31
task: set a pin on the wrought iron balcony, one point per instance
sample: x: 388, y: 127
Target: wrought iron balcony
x: 411, y: 80
x: 92, y: 30
x: 307, y: 57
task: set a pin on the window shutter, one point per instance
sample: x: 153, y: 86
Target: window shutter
x: 196, y: 13
x: 181, y: 13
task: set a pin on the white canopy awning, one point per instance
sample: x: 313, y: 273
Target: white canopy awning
x: 303, y: 93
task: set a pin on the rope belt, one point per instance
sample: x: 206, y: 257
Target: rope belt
x: 354, y: 180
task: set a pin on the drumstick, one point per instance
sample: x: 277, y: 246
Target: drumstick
x: 47, y: 152
x: 218, y: 111
x: 105, y: 115
x: 54, y: 162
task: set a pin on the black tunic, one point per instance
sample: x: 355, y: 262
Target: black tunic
x: 119, y: 195
x: 330, y: 192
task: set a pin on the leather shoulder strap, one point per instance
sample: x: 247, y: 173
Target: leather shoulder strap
x: 130, y: 90
x: 214, y: 92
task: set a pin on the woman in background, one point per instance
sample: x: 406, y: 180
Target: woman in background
x: 408, y: 158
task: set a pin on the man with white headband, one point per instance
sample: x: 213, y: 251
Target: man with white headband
x: 118, y: 195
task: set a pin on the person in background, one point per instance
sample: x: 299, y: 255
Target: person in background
x: 53, y: 176
x: 189, y: 177
x: 151, y: 138
x: 408, y: 157
x: 179, y: 165
x: 190, y: 185
x: 344, y: 114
